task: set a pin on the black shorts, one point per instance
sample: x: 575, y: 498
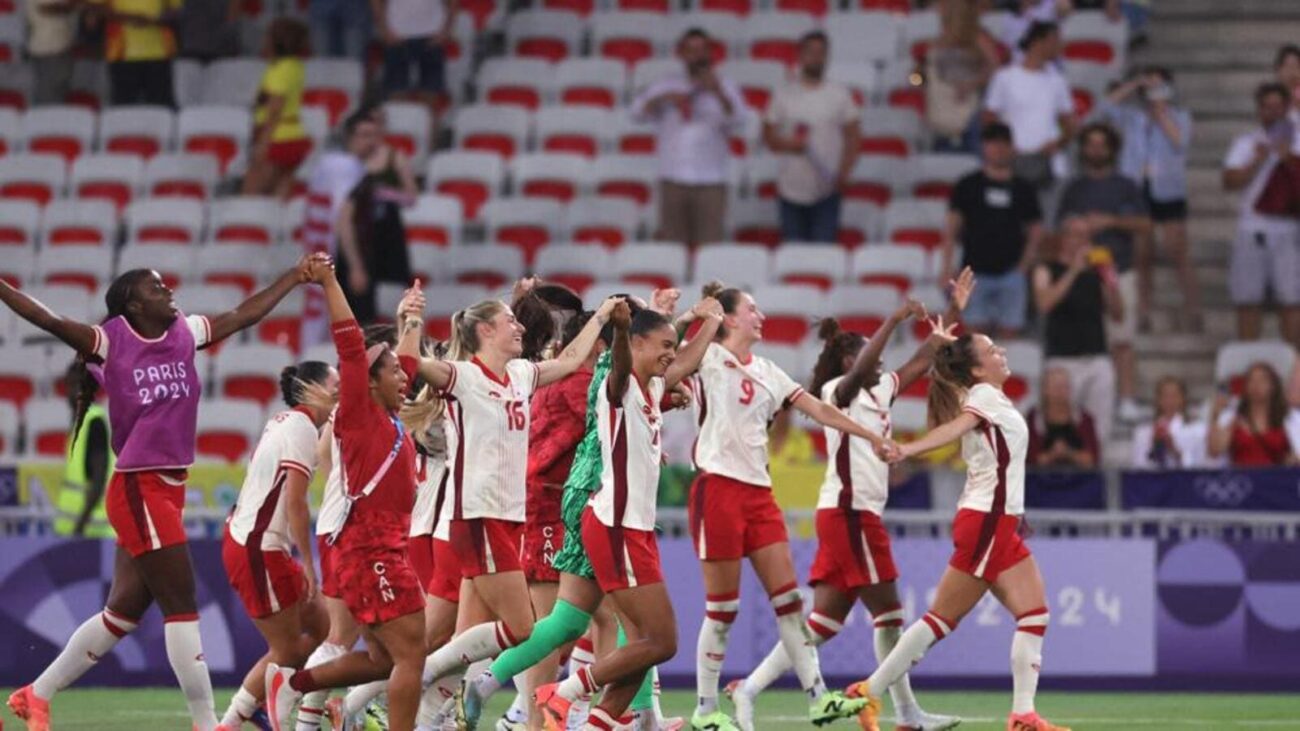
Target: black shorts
x: 1162, y: 211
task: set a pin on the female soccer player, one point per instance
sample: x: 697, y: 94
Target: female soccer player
x: 378, y: 459
x: 146, y: 347
x: 271, y: 517
x: 854, y: 560
x: 731, y: 510
x: 967, y: 403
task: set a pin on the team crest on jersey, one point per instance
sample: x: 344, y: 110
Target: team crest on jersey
x: 730, y: 364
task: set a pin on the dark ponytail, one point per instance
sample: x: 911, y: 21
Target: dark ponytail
x: 951, y: 376
x: 838, y: 344
x: 728, y: 297
x: 536, y: 310
x: 116, y: 300
x: 294, y: 377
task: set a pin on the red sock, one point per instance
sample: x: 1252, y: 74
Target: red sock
x: 303, y: 682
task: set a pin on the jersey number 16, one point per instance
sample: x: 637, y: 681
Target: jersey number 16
x: 516, y: 419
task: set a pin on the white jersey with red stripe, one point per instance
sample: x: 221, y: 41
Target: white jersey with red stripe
x: 487, y: 439
x: 333, y: 502
x: 734, y: 404
x: 994, y: 452
x: 855, y: 477
x: 631, y: 450
x: 288, y: 444
x: 429, y: 488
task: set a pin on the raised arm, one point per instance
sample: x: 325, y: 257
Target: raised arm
x: 939, y: 436
x: 827, y: 415
x: 688, y: 359
x: 961, y: 289
x: 410, y: 318
x: 80, y: 336
x: 550, y: 371
x: 620, y: 366
x: 252, y: 310
x: 865, y: 364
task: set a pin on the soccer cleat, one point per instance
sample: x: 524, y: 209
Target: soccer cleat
x: 869, y: 716
x: 29, y: 707
x: 554, y: 707
x: 375, y: 715
x: 260, y: 720
x: 579, y: 710
x: 1031, y: 722
x: 280, y: 697
x: 716, y: 721
x: 676, y: 723
x: 744, y: 703
x: 338, y: 719
x: 832, y: 706
x: 505, y: 724
x: 923, y: 721
x: 469, y: 705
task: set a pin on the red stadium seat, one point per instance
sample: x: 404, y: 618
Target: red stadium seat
x: 735, y: 7
x: 1091, y: 50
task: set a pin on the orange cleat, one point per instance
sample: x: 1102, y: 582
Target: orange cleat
x: 32, y: 709
x: 869, y: 716
x: 1031, y: 722
x: 554, y: 707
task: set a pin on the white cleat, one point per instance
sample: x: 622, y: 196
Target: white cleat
x: 505, y: 724
x: 281, y: 698
x: 744, y: 703
x: 923, y: 721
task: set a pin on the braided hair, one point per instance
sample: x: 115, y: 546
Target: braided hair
x: 839, y: 344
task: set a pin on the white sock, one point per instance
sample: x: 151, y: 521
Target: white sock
x: 797, y: 640
x: 711, y: 648
x: 1026, y: 658
x: 889, y: 628
x: 578, y: 685
x: 518, y: 710
x: 242, y: 707
x: 359, y: 696
x: 436, y: 696
x: 777, y: 662
x: 94, y: 639
x: 655, y: 693
x: 479, y: 642
x: 311, y: 711
x: 185, y: 653
x: 523, y: 691
x: 583, y: 654
x: 909, y: 650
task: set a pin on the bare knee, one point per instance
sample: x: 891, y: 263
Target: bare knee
x: 664, y: 646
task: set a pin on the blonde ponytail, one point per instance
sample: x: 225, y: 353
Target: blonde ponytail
x: 464, y: 328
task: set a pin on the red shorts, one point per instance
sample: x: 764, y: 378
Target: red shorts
x: 266, y: 581
x: 621, y: 558
x: 852, y: 551
x: 445, y: 582
x: 419, y: 551
x: 290, y: 153
x: 731, y: 519
x: 541, y: 542
x: 487, y: 546
x: 985, y: 545
x: 329, y: 577
x: 374, y: 573
x: 145, y: 509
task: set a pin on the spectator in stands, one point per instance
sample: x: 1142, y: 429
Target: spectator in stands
x: 1157, y: 135
x: 995, y: 216
x: 1034, y: 100
x: 416, y: 34
x: 958, y: 66
x: 1255, y: 433
x: 209, y: 29
x: 1117, y: 215
x: 1266, y: 253
x: 1286, y: 64
x: 1075, y: 296
x: 139, y: 46
x: 280, y: 144
x: 1293, y: 391
x: 1024, y: 14
x: 695, y: 112
x: 1174, y: 440
x: 339, y: 28
x: 1061, y: 435
x: 813, y: 124
x: 51, y: 33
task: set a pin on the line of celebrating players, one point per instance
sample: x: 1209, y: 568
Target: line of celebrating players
x: 455, y: 476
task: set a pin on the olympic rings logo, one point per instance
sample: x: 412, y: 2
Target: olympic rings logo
x: 1225, y: 490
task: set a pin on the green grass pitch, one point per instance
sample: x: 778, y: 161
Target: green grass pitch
x: 161, y: 709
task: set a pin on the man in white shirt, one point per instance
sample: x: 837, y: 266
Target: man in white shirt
x: 1033, y: 99
x: 695, y: 112
x: 1266, y: 252
x: 813, y: 124
x: 51, y: 30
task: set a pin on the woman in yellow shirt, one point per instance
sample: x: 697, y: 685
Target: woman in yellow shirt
x: 280, y: 143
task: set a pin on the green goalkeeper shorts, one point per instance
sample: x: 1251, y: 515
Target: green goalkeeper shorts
x: 572, y: 556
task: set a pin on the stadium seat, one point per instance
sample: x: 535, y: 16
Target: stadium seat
x: 652, y: 70
x: 887, y: 131
x: 908, y: 416
x: 175, y: 264
x: 228, y: 429
x: 208, y: 299
x: 9, y: 418
x: 607, y: 220
x: 556, y: 176
x: 527, y: 224
x: 590, y: 82
x: 761, y: 172
x: 184, y: 174
x: 232, y: 81
x: 19, y: 222
x: 333, y: 84
x: 80, y: 223
x: 727, y: 32
x: 864, y: 37
x: 774, y: 36
x: 632, y: 138
x: 246, y: 219
x: 548, y: 35
x: 137, y: 130
x: 434, y: 219
x: 488, y: 128
x: 862, y: 308
x: 75, y: 266
x: 1025, y: 359
x: 46, y: 422
x: 32, y: 177
x: 625, y: 176
x: 16, y: 83
x: 283, y: 326
x: 573, y: 265
x: 187, y: 82
x: 657, y: 264
x: 659, y: 7
x: 218, y: 131
x: 919, y: 30
x: 757, y: 79
x: 17, y: 269
x: 899, y: 267
x: 489, y: 265
x: 72, y: 301
x: 315, y: 122
x: 444, y: 301
x: 815, y: 8
x: 11, y: 128
x: 65, y: 130
x: 932, y: 176
x: 789, y: 311
x: 164, y: 221
x: 753, y: 221
x: 239, y: 265
x: 872, y: 180
x: 19, y: 368
x: 1235, y: 358
x: 809, y: 264
x: 486, y: 13
x: 725, y: 7
x: 585, y: 131
x: 522, y: 82
x: 250, y: 371
x: 428, y: 264
x: 1091, y: 37
x: 473, y: 177
x: 113, y: 177
x: 736, y: 265
x: 859, y: 223
x: 631, y: 37
x: 789, y: 358
x: 915, y: 223
x: 322, y: 352
x: 858, y: 76
x: 407, y: 127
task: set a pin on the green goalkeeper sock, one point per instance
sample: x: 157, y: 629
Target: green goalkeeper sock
x: 565, y: 623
